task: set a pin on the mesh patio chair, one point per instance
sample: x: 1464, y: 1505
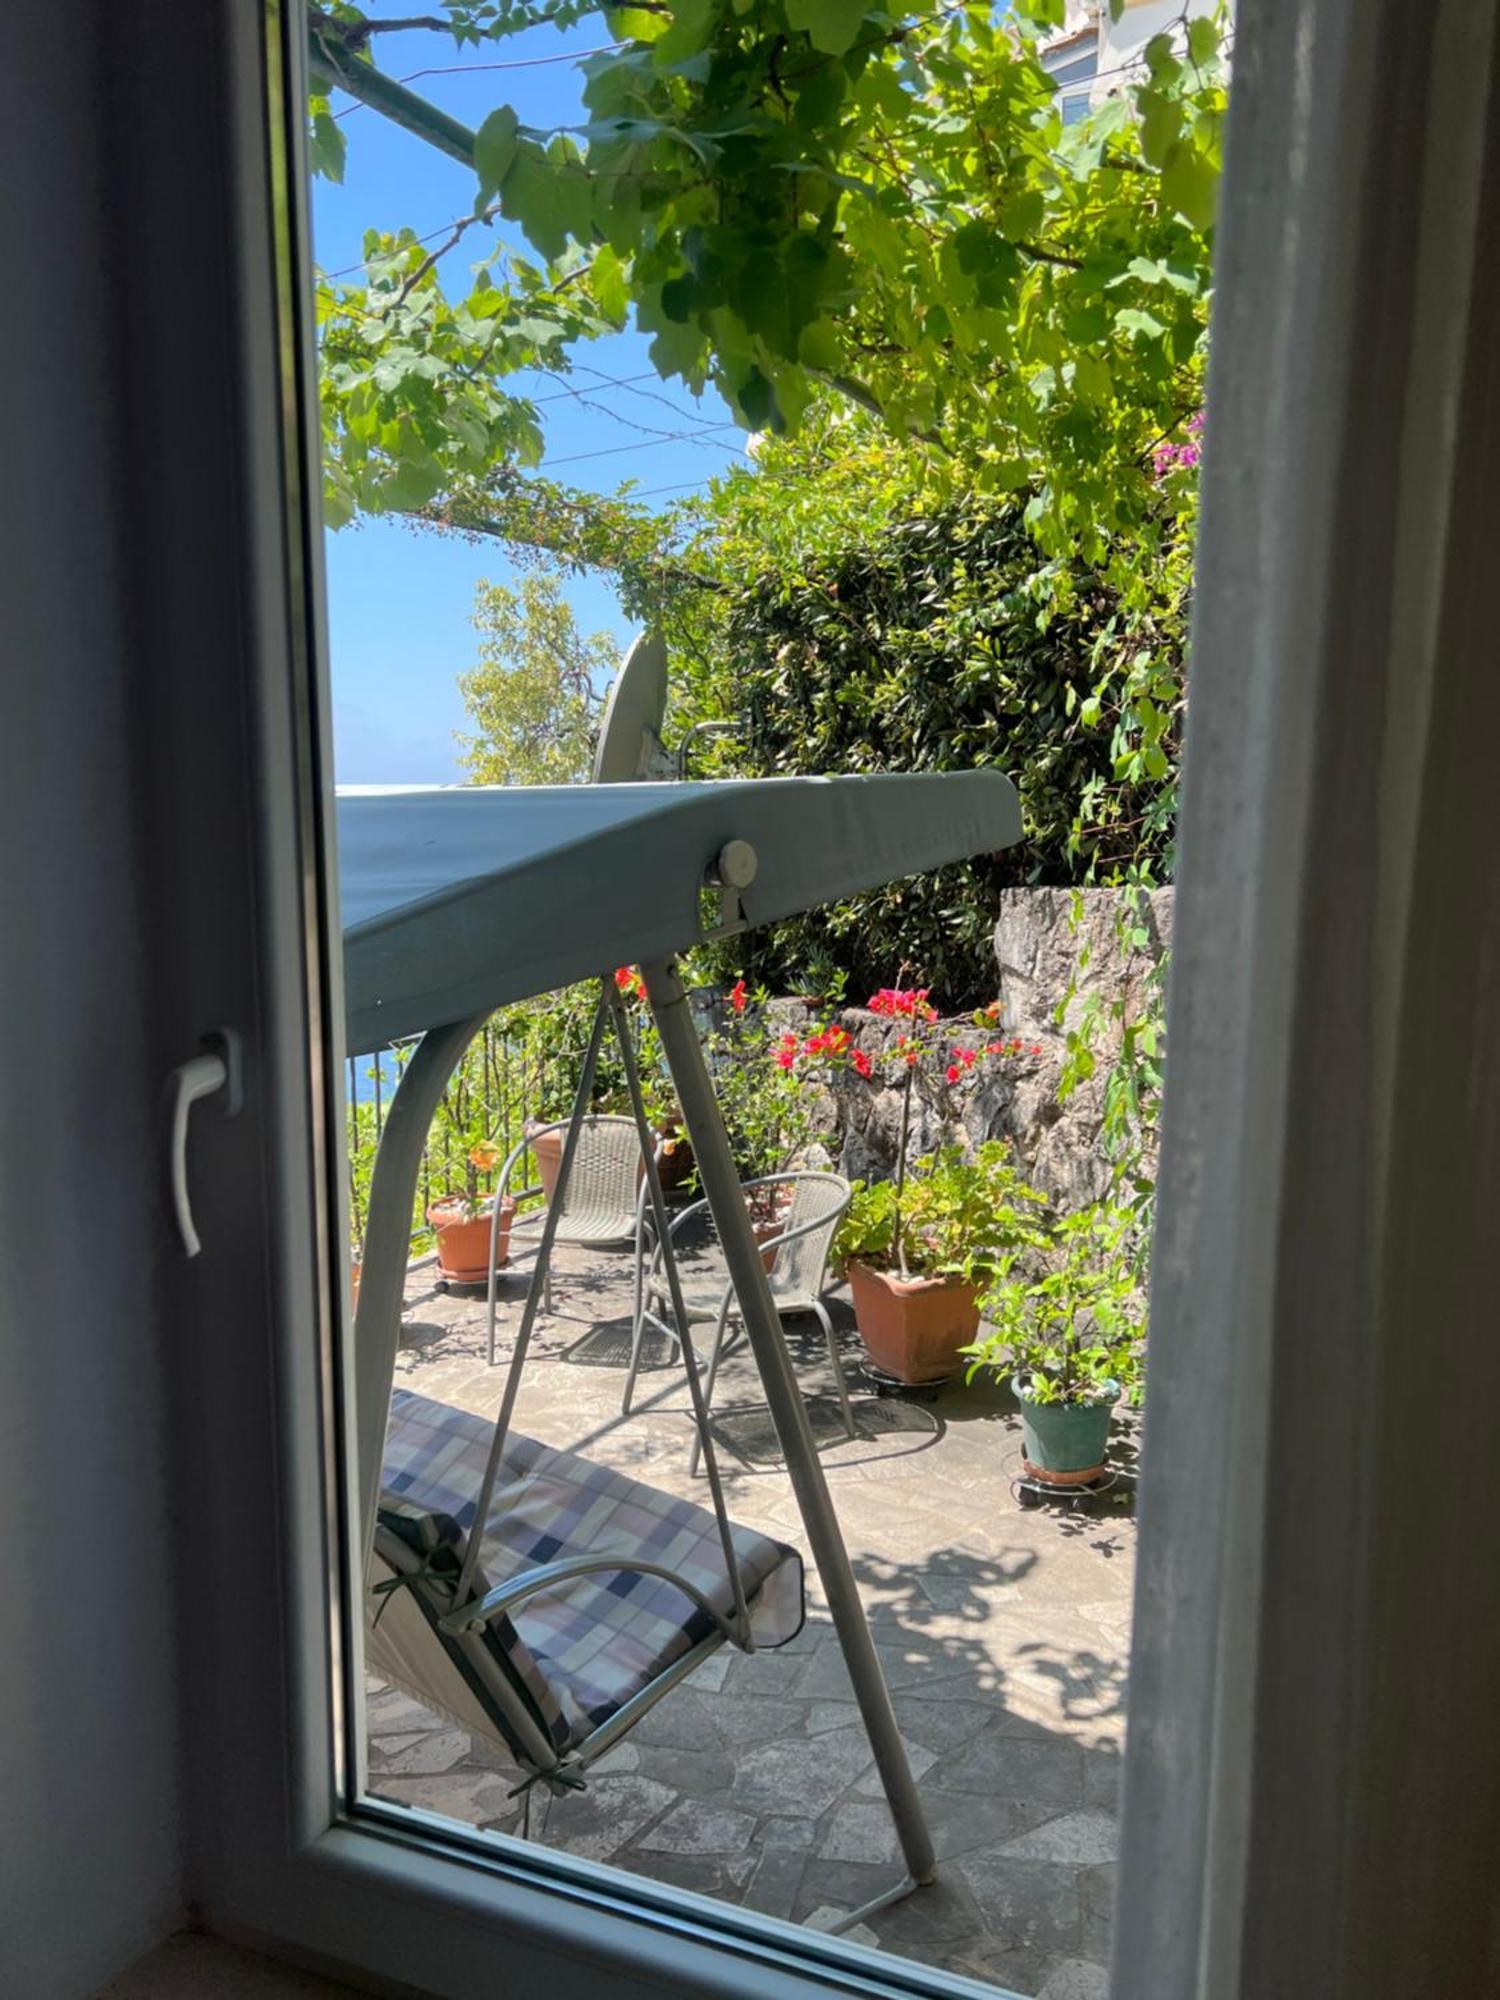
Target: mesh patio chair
x: 798, y: 1274
x: 599, y: 1208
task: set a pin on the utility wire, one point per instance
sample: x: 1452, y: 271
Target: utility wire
x: 473, y: 69
x: 651, y: 444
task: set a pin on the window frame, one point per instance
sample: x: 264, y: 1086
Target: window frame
x: 273, y: 1851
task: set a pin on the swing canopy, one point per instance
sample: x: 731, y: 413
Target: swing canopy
x: 462, y: 899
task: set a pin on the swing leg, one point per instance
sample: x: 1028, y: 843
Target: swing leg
x: 721, y: 1325
x: 705, y: 1127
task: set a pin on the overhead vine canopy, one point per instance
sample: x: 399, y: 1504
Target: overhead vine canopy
x: 791, y: 197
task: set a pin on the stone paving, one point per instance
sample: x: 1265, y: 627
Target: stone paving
x: 1004, y: 1633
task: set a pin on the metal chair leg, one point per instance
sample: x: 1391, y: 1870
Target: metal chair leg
x: 837, y: 1363
x: 720, y: 1327
x: 637, y: 1342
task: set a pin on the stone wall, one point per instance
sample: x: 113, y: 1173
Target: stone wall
x: 1040, y: 953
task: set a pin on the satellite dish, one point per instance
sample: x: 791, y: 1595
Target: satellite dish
x: 630, y: 745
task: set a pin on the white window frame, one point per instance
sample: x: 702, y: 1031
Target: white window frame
x: 1343, y: 256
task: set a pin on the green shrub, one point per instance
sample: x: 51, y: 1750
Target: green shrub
x: 945, y: 644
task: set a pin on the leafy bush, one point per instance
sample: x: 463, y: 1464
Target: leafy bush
x: 947, y: 644
x: 1070, y: 1328
x: 956, y: 1217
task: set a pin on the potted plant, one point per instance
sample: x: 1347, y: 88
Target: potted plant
x: 1068, y: 1332
x: 916, y: 1249
x: 463, y: 1221
x: 918, y: 1252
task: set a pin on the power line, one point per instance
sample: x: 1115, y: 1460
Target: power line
x: 618, y: 381
x: 467, y: 69
x: 652, y: 444
x: 655, y: 492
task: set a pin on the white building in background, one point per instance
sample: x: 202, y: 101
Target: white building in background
x: 1090, y: 51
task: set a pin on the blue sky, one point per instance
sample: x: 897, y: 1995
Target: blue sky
x: 400, y: 602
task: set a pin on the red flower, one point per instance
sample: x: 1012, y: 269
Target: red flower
x: 993, y: 1010
x: 785, y: 1058
x: 994, y: 1048
x: 954, y: 1072
x: 623, y: 977
x: 1015, y: 1047
x: 862, y: 1062
x: 737, y: 996
x: 1036, y: 1048
x: 911, y: 1058
x: 789, y: 1041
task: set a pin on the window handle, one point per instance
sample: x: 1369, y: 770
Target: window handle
x: 216, y: 1069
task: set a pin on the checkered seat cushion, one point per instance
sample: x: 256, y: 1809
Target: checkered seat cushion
x: 581, y: 1651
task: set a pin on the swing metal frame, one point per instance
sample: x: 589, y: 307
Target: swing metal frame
x: 462, y: 1615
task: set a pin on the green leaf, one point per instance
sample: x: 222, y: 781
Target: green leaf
x: 495, y: 145
x: 1203, y: 38
x: 756, y: 400
x: 609, y: 284
x: 1191, y: 184
x: 326, y: 151
x: 691, y: 26
x: 832, y: 25
x: 1161, y: 124
x: 1132, y: 320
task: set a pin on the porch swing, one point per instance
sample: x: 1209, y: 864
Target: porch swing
x: 542, y: 1601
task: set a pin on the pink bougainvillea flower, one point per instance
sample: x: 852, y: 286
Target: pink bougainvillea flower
x: 994, y: 1048
x: 862, y: 1062
x: 737, y: 996
x: 1036, y: 1048
x: 785, y: 1058
x: 953, y: 1072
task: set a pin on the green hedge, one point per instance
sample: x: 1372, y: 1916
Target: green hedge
x: 945, y: 645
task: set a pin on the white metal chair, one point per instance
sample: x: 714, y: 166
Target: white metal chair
x: 797, y: 1276
x: 599, y: 1207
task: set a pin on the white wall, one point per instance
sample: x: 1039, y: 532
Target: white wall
x: 89, y: 1871
x: 1121, y: 40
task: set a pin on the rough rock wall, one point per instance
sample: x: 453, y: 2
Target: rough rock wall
x: 1041, y: 953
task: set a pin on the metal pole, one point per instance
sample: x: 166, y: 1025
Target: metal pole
x: 546, y: 1237
x: 382, y: 1279
x: 696, y: 1394
x: 721, y: 1184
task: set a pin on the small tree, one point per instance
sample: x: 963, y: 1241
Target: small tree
x: 536, y: 694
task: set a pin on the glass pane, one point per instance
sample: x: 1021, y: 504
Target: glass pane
x: 947, y: 1086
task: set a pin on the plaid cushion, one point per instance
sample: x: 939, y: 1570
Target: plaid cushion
x: 583, y: 1650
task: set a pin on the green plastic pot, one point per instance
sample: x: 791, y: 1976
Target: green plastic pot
x: 1065, y: 1437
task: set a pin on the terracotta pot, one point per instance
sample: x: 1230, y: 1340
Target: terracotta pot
x: 675, y: 1166
x: 463, y: 1247
x: 763, y: 1226
x: 912, y: 1328
x: 547, y: 1148
x: 355, y: 1267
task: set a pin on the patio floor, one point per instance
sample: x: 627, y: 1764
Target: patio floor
x: 1004, y: 1633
